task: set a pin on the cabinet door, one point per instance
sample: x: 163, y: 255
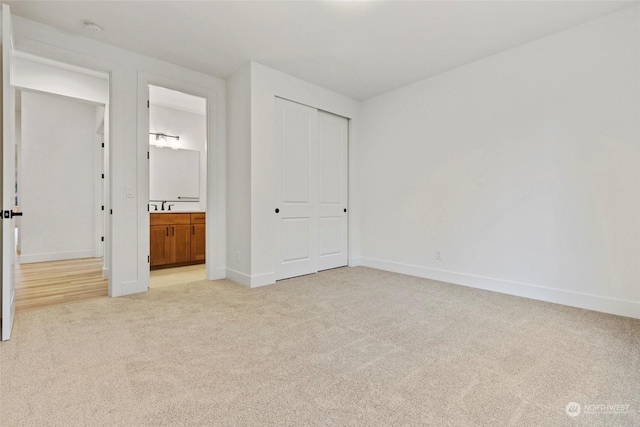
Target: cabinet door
x: 198, y: 239
x: 181, y: 246
x: 160, y: 248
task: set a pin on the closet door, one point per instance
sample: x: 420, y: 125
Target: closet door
x: 296, y: 189
x: 332, y: 209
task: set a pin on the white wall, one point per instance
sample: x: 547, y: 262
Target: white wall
x: 58, y: 178
x: 129, y: 146
x: 523, y: 167
x: 192, y: 129
x: 266, y: 85
x: 239, y: 175
x: 47, y: 76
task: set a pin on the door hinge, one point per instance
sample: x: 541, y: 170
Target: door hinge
x: 110, y: 211
x: 102, y: 207
x: 147, y: 103
x: 147, y: 155
x: 102, y: 176
x: 103, y: 145
x: 102, y: 239
x: 148, y: 260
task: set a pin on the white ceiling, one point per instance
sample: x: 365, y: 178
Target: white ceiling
x: 175, y: 99
x: 359, y: 48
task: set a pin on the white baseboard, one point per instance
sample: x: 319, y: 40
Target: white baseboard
x: 254, y: 281
x: 220, y: 273
x: 241, y: 278
x: 265, y: 279
x: 57, y: 256
x: 559, y: 296
x: 355, y: 261
x: 214, y: 273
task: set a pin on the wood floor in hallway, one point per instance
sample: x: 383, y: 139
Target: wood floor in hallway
x: 45, y: 284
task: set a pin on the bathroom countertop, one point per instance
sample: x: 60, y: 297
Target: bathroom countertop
x: 172, y: 212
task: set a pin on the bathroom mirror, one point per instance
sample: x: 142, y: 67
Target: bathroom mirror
x: 174, y: 175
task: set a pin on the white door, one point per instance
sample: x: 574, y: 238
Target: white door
x: 332, y: 212
x: 8, y: 178
x: 296, y: 192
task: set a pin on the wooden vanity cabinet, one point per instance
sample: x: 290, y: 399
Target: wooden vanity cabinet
x: 198, y: 236
x: 177, y: 239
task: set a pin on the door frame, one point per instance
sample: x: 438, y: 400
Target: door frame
x: 216, y: 176
x: 77, y: 59
x: 101, y: 166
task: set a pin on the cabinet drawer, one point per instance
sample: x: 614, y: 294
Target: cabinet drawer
x: 169, y: 218
x: 198, y: 218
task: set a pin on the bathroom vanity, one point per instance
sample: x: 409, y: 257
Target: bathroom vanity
x: 177, y: 239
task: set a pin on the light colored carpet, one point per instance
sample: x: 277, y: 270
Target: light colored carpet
x: 353, y: 346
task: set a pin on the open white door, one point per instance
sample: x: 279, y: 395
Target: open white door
x: 8, y: 178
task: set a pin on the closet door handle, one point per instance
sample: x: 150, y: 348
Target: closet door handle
x: 167, y: 231
x: 193, y: 230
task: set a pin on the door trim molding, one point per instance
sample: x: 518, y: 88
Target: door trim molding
x: 216, y: 173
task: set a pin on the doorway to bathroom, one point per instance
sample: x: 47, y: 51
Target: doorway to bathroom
x: 177, y: 186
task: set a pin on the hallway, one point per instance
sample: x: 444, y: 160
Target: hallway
x: 45, y: 284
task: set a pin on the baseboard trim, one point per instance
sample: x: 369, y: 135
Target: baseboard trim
x: 254, y: 281
x: 56, y: 256
x: 219, y: 273
x: 559, y: 296
x: 265, y: 279
x: 355, y: 261
x: 236, y: 276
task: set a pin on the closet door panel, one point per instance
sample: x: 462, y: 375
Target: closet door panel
x: 333, y: 182
x: 295, y: 152
x: 296, y: 225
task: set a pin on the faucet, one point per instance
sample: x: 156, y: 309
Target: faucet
x: 163, y: 202
x: 169, y: 207
x: 155, y: 206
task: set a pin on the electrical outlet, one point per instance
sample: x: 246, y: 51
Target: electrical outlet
x: 439, y: 254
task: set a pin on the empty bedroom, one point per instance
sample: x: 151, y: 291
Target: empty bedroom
x: 417, y: 213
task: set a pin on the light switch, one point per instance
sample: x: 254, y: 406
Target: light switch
x: 130, y: 193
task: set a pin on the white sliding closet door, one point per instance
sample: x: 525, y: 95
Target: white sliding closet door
x: 332, y: 212
x: 296, y: 192
x: 311, y: 190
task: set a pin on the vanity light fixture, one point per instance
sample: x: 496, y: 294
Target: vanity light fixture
x: 162, y: 140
